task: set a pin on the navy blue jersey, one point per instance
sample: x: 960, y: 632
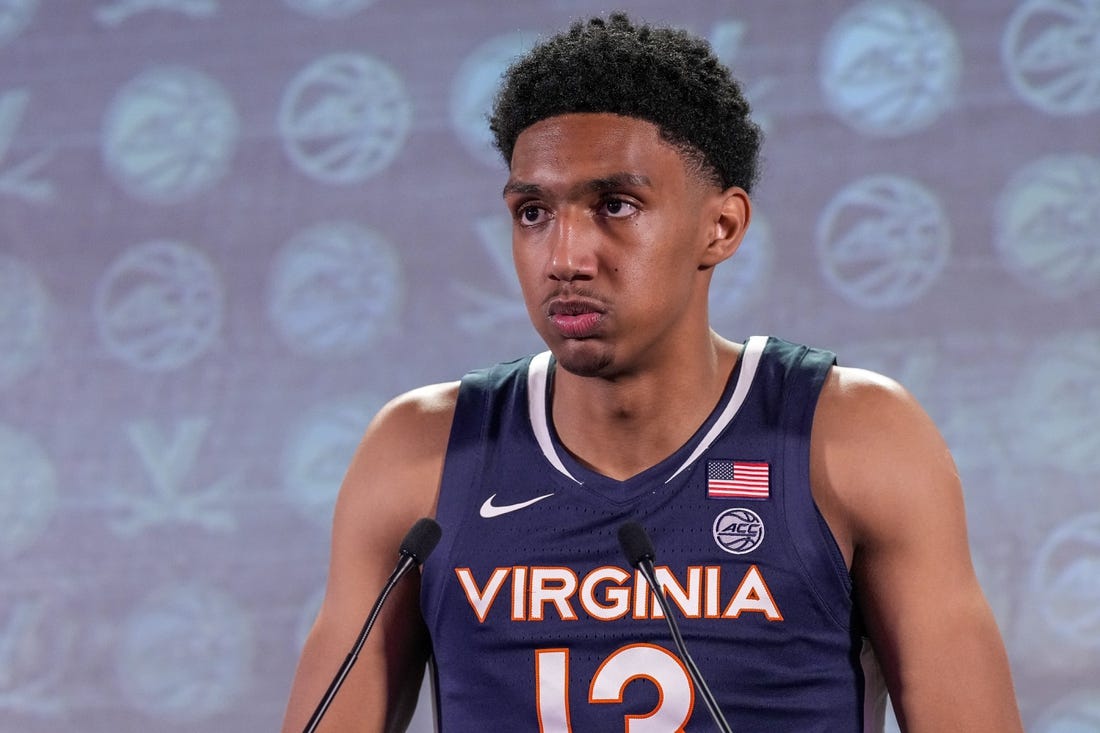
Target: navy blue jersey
x: 538, y: 622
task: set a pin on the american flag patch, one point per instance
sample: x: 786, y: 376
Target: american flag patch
x: 737, y: 480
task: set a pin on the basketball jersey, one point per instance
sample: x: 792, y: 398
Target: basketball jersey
x: 539, y: 623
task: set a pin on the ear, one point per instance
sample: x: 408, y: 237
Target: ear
x: 730, y: 217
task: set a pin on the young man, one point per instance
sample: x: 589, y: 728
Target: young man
x: 796, y: 507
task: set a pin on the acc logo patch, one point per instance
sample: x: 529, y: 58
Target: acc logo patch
x: 738, y: 531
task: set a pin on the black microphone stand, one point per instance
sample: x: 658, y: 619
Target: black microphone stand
x: 639, y: 551
x: 415, y: 548
x: 402, y: 567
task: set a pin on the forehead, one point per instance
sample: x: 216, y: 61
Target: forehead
x: 573, y: 147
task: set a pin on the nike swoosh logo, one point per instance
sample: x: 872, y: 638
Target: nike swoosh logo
x: 490, y: 510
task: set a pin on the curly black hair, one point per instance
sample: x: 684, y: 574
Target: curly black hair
x: 662, y: 75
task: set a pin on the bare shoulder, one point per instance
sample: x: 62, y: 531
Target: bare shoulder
x: 859, y: 397
x: 396, y: 469
x: 876, y: 456
x: 393, y: 478
x: 874, y: 438
x: 418, y: 420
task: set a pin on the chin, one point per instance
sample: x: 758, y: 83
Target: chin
x: 584, y: 361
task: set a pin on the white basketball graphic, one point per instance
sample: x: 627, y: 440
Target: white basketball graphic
x: 474, y: 87
x: 1047, y: 219
x: 39, y: 630
x: 185, y: 653
x: 344, y: 118
x: 1058, y: 398
x: 19, y: 174
x: 25, y: 309
x: 890, y: 67
x: 1065, y: 581
x: 883, y: 241
x: 318, y: 451
x: 159, y: 306
x: 28, y: 491
x: 329, y: 9
x: 335, y: 288
x: 169, y: 134
x: 15, y: 15
x: 1051, y: 51
x: 122, y: 10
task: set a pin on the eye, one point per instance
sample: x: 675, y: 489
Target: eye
x: 529, y: 215
x: 617, y: 208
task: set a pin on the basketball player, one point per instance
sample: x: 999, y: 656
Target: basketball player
x: 808, y: 519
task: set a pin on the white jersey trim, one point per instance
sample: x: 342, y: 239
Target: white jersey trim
x: 750, y: 361
x: 874, y: 691
x: 537, y: 373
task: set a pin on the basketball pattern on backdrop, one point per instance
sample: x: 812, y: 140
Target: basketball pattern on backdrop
x: 229, y: 231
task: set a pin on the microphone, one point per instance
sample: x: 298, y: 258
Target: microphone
x: 415, y: 548
x: 639, y: 552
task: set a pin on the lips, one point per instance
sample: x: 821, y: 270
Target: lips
x: 575, y: 317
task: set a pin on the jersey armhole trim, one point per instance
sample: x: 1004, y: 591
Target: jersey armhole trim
x: 813, y: 541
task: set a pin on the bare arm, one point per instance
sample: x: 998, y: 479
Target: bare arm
x: 886, y: 483
x: 393, y: 480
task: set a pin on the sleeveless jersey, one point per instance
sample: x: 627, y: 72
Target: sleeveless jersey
x: 539, y: 623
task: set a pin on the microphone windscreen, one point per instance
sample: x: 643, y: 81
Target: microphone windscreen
x: 636, y: 543
x: 421, y: 539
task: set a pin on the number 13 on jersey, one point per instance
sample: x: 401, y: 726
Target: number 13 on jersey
x: 636, y: 662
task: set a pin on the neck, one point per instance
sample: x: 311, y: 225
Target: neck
x: 622, y: 426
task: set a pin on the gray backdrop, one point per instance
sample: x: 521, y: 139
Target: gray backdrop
x: 231, y: 229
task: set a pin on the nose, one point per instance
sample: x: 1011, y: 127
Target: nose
x: 572, y: 253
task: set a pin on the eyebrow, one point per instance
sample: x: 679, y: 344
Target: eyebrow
x: 595, y: 185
